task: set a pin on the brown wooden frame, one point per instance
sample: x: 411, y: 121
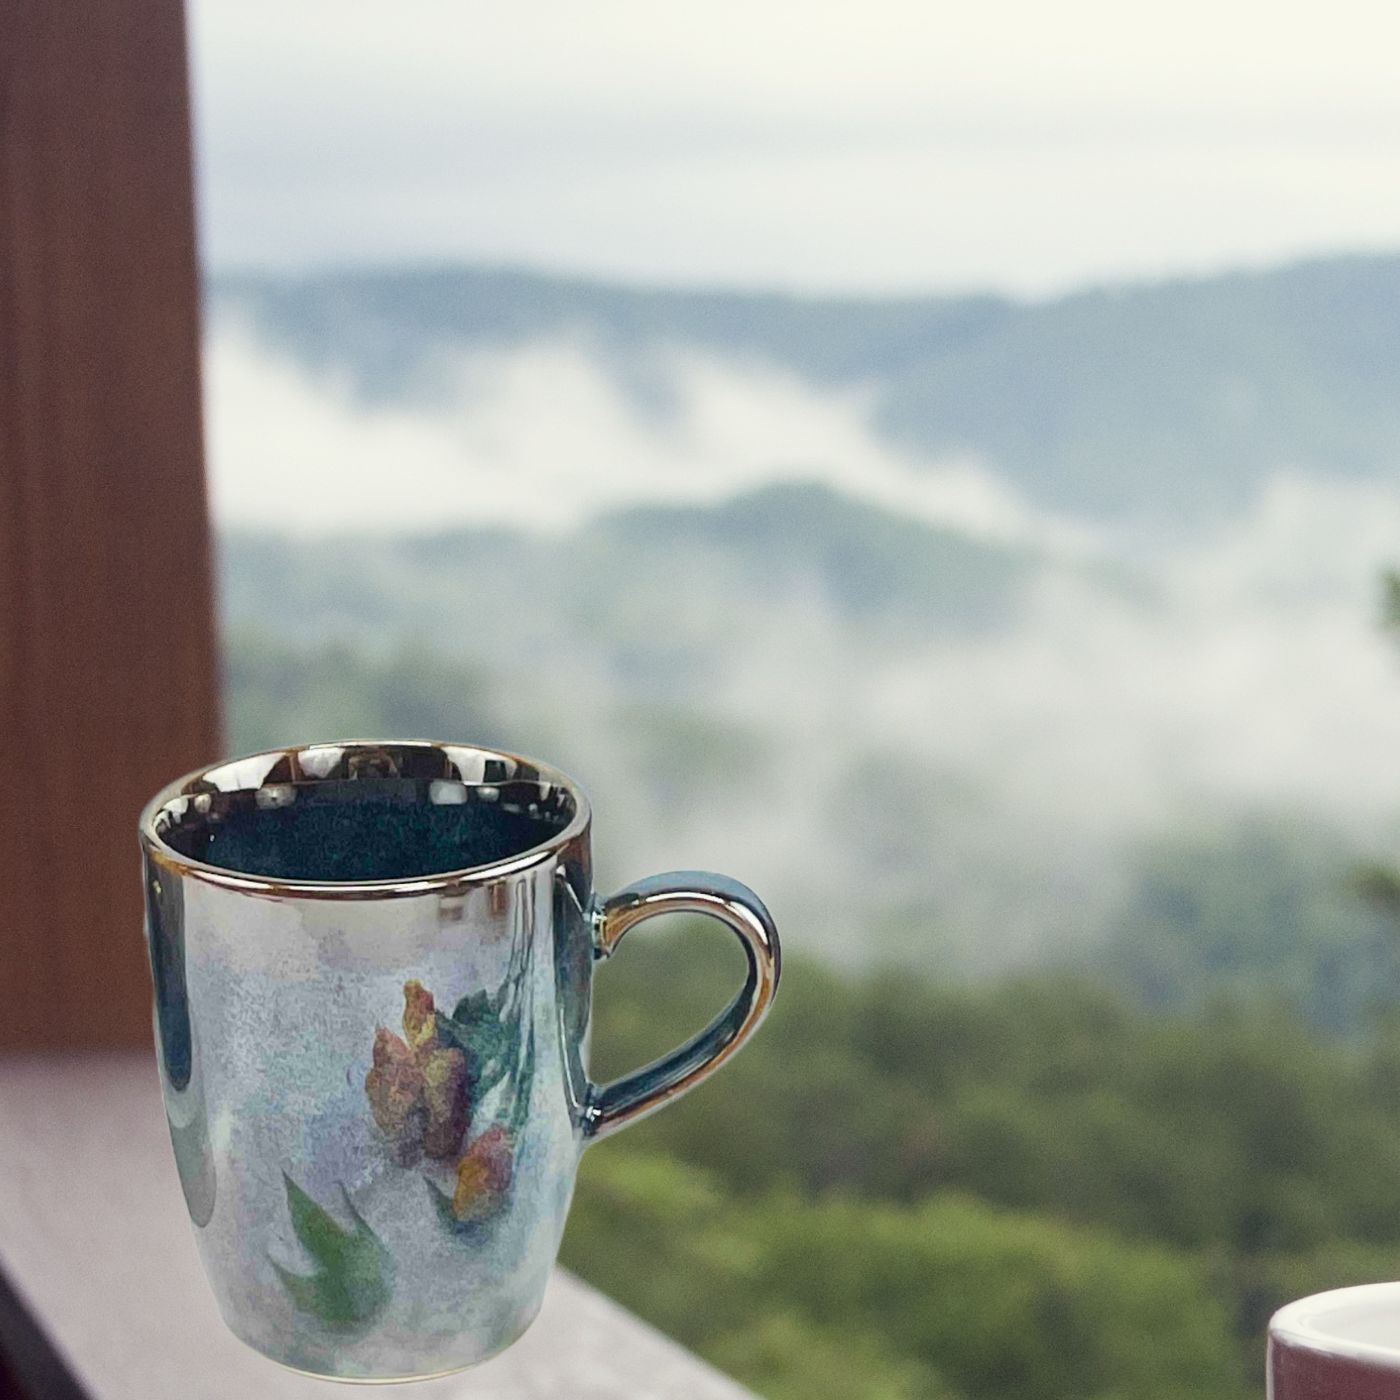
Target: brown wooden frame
x: 108, y: 671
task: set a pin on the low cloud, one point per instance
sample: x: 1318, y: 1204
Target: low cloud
x: 994, y: 783
x: 544, y: 437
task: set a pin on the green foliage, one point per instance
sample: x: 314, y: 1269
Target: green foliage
x: 1390, y: 600
x: 785, y: 1357
x: 874, y: 565
x: 948, y: 1297
x: 1044, y: 1188
x: 281, y: 693
x: 1263, y: 908
x: 1004, y: 1304
x: 1379, y: 885
x: 470, y: 587
x: 1032, y: 1189
x: 478, y: 1029
x: 1046, y: 1093
x: 353, y: 1278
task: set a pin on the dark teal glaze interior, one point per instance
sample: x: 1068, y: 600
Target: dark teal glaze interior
x: 165, y: 930
x: 363, y: 829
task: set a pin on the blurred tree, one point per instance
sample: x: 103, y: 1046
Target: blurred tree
x: 1041, y: 1188
x: 1378, y: 882
x: 893, y: 1160
x: 1390, y: 600
x: 949, y: 1298
x: 284, y: 694
x: 1259, y: 908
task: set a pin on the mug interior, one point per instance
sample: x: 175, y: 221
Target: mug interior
x: 342, y: 813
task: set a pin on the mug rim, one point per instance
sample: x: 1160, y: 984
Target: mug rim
x: 1298, y: 1326
x: 237, y: 774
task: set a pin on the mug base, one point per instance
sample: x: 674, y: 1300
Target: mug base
x: 382, y: 1380
x: 408, y: 1379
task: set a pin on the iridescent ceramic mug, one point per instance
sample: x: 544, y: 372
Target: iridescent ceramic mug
x: 372, y: 967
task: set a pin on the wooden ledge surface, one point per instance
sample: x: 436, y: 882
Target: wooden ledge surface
x: 99, y: 1276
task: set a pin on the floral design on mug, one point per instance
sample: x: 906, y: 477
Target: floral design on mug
x: 427, y: 1090
x: 418, y: 1087
x: 482, y: 1187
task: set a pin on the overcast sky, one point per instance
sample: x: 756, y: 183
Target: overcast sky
x: 879, y: 145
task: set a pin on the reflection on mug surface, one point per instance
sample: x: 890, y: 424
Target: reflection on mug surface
x: 372, y: 967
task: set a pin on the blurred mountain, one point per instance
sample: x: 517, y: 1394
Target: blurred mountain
x: 707, y: 671
x: 724, y: 558
x: 1170, y: 403
x: 979, y: 637
x: 652, y: 594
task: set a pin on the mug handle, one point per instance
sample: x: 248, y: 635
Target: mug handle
x: 613, y: 1106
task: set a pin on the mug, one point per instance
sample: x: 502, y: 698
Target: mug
x: 372, y: 966
x: 1342, y: 1345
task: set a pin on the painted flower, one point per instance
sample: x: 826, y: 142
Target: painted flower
x: 445, y: 1096
x: 424, y: 1085
x: 484, y: 1175
x: 419, y: 1014
x: 395, y: 1087
x: 418, y: 1087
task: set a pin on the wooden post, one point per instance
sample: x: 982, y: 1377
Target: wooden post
x: 108, y: 674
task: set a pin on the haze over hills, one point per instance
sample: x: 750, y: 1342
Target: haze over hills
x: 971, y: 631
x: 1173, y: 401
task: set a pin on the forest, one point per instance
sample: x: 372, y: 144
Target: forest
x: 1023, y: 1190
x: 1092, y: 1177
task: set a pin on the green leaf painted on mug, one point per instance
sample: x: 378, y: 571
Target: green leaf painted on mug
x: 353, y: 1279
x: 476, y: 1027
x: 521, y: 1090
x: 475, y: 1008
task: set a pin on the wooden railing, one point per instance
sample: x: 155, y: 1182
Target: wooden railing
x: 102, y: 1296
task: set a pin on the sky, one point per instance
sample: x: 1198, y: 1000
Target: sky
x: 885, y: 146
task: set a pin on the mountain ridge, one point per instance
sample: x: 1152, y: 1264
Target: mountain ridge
x: 1170, y: 401
x: 870, y: 562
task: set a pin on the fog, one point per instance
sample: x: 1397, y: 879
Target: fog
x: 545, y: 437
x: 996, y: 780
